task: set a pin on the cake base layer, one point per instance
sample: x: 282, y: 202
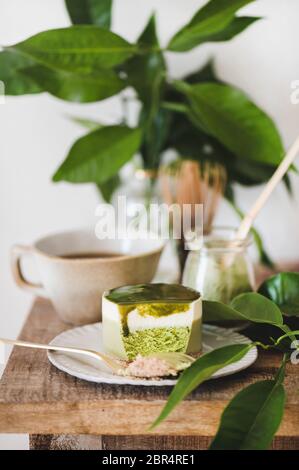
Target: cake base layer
x: 153, y: 340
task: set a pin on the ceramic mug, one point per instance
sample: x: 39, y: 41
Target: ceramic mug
x: 75, y: 285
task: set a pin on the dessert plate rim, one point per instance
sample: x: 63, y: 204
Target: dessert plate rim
x: 91, y: 370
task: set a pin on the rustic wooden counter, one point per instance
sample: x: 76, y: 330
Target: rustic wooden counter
x: 62, y: 412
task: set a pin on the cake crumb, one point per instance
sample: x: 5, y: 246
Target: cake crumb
x: 149, y: 367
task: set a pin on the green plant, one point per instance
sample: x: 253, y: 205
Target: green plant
x: 199, y: 116
x: 253, y: 416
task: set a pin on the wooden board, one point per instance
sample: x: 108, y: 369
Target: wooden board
x: 88, y: 442
x: 36, y: 398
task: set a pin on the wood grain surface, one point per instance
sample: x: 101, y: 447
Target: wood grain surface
x: 36, y: 398
x: 144, y: 442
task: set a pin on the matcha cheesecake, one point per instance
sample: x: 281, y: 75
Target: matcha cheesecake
x: 149, y: 318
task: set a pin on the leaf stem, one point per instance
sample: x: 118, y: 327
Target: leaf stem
x: 177, y: 107
x: 288, y: 331
x: 279, y: 377
x: 289, y: 334
x: 264, y: 346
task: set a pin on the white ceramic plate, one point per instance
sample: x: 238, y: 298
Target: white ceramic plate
x: 90, y: 337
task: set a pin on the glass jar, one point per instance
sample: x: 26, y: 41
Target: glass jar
x: 221, y: 268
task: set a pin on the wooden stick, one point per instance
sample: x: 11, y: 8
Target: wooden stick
x: 247, y: 222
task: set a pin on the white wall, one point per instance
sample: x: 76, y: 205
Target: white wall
x: 35, y: 133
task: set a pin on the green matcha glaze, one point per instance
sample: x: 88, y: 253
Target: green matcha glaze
x: 160, y: 310
x: 152, y: 293
x: 145, y: 342
x: 124, y: 310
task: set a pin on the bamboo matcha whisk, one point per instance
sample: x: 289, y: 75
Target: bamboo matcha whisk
x: 192, y: 182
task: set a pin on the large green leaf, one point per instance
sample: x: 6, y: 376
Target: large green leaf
x: 80, y: 49
x: 217, y: 312
x: 215, y: 21
x: 227, y: 114
x: 99, y: 155
x: 75, y: 87
x: 96, y: 12
x: 237, y: 26
x: 194, y: 142
x: 283, y: 289
x: 257, y: 308
x: 146, y: 73
x: 183, y: 136
x: 155, y: 132
x: 251, y: 419
x: 250, y: 306
x: 201, y: 369
x: 16, y: 83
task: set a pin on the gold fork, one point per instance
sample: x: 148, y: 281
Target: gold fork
x: 177, y: 361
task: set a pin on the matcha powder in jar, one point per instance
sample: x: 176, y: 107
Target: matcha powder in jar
x: 219, y: 267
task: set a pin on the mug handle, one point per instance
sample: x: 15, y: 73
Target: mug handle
x: 17, y: 252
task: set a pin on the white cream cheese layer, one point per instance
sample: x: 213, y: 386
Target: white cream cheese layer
x: 143, y: 322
